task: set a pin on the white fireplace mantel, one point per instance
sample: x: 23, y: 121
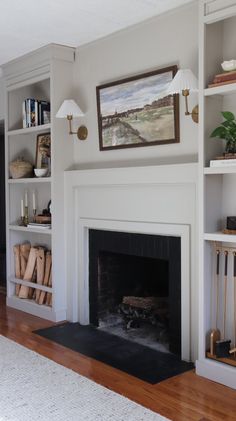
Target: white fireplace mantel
x: 157, y: 200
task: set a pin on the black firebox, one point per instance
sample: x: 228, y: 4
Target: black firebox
x: 137, y: 268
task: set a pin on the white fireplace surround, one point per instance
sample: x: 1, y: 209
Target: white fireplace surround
x: 152, y: 200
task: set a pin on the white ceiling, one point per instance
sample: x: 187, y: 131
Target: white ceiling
x: 29, y: 24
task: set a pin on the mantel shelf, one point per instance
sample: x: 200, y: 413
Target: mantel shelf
x: 221, y: 90
x: 29, y: 180
x: 28, y: 130
x: 219, y: 236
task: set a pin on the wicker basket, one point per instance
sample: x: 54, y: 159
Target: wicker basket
x: 20, y: 168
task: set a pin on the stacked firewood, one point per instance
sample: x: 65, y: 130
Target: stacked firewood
x: 33, y: 264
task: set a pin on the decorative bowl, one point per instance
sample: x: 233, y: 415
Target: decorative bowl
x: 41, y: 172
x: 229, y: 65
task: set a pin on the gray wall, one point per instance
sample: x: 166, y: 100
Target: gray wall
x: 169, y: 39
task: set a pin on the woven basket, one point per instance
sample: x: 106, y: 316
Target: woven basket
x: 20, y: 168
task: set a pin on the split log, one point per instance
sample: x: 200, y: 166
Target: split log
x: 24, y: 255
x: 32, y: 290
x: 46, y: 276
x: 40, y: 269
x: 49, y: 294
x: 24, y: 290
x: 16, y: 250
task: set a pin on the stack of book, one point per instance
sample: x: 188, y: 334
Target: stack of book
x: 35, y: 112
x: 228, y: 159
x: 40, y: 226
x: 223, y: 79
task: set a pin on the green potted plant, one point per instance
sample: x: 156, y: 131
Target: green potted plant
x: 227, y: 131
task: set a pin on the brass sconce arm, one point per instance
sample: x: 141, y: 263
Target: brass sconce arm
x: 82, y: 131
x: 194, y: 113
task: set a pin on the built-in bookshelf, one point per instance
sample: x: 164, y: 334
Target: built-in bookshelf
x: 217, y: 198
x: 45, y: 75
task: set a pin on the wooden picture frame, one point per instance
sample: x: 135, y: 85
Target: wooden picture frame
x: 43, y: 151
x: 130, y: 114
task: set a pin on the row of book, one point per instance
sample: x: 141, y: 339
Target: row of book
x: 35, y: 112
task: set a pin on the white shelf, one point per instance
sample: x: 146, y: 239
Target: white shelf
x: 30, y: 284
x: 221, y: 90
x: 216, y: 371
x: 220, y: 170
x: 29, y: 180
x: 30, y: 306
x: 28, y: 229
x: 35, y: 129
x: 219, y: 236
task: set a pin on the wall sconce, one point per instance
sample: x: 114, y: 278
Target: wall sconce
x: 184, y: 83
x: 69, y: 109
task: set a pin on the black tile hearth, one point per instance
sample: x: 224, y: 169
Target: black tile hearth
x: 137, y: 360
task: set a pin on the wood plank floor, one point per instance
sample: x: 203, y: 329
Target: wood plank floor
x: 186, y: 397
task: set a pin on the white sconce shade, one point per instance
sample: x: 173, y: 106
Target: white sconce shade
x: 69, y: 107
x: 69, y: 110
x: 184, y: 79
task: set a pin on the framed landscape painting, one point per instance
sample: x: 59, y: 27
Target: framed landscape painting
x: 133, y: 111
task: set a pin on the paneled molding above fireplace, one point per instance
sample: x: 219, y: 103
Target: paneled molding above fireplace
x: 157, y: 200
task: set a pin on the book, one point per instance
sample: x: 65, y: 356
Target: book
x: 24, y: 115
x: 36, y: 107
x: 35, y: 112
x: 224, y: 77
x: 213, y: 85
x: 37, y: 225
x: 222, y: 162
x: 30, y: 112
x: 44, y: 112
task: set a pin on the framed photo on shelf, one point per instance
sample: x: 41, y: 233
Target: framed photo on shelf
x: 43, y: 151
x: 133, y: 112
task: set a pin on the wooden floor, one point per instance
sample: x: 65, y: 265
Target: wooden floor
x: 185, y: 397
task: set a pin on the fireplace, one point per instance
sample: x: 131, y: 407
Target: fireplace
x: 136, y: 277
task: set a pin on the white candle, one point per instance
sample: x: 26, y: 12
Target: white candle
x: 26, y: 198
x: 34, y: 201
x: 22, y: 208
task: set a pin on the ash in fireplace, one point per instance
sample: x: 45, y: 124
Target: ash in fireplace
x: 152, y: 336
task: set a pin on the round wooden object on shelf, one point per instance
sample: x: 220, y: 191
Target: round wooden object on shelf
x: 43, y: 219
x: 20, y: 168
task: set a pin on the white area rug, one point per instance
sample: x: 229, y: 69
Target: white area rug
x: 33, y: 388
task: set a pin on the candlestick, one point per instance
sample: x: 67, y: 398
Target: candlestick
x: 26, y: 217
x: 34, y: 212
x: 34, y: 201
x: 26, y: 198
x: 22, y: 208
x: 22, y: 221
